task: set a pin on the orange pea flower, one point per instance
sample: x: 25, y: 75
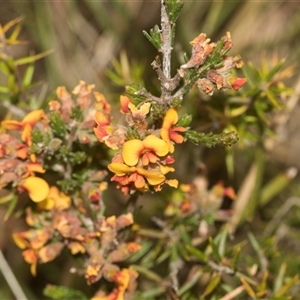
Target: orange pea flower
x: 25, y: 125
x: 112, y: 136
x: 169, y: 133
x: 126, y: 175
x: 38, y: 188
x: 136, y: 112
x: 147, y: 150
x: 55, y: 199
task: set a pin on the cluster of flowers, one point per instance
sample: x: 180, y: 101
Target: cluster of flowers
x: 57, y: 224
x: 145, y: 156
x: 219, y: 77
x: 21, y: 158
x: 64, y: 220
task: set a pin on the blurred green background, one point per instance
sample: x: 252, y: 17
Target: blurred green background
x: 87, y: 36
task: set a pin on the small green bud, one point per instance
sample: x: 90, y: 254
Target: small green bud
x: 58, y: 124
x: 37, y: 136
x: 54, y: 144
x: 229, y: 138
x: 185, y: 120
x: 77, y: 158
x: 77, y: 114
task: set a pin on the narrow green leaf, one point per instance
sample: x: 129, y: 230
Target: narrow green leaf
x: 4, y: 67
x: 185, y: 120
x: 185, y: 235
x: 254, y: 242
x: 152, y: 293
x: 166, y: 254
x: 11, y: 23
x: 6, y: 198
x: 260, y: 112
x: 279, y: 278
x: 190, y: 282
x: 276, y: 185
x: 273, y: 100
x: 146, y: 246
x: 287, y: 286
x: 27, y: 77
x: 248, y: 288
x: 235, y: 258
x: 32, y: 58
x: 223, y: 241
x: 213, y: 283
x: 235, y: 112
x: 14, y: 35
x: 11, y: 83
x: 183, y: 252
x: 173, y: 8
x: 197, y: 253
x: 11, y: 207
x: 147, y: 273
x: 4, y: 89
x: 254, y: 71
x: 154, y: 37
x: 215, y: 250
x: 275, y: 70
x: 63, y: 293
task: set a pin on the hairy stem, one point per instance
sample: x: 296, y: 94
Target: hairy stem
x: 166, y: 47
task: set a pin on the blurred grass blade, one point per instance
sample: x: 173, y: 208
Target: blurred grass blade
x: 254, y: 242
x: 11, y: 23
x: 152, y: 293
x: 235, y: 258
x: 4, y: 89
x: 27, y: 77
x: 273, y: 100
x: 196, y: 252
x: 147, y: 273
x: 279, y: 278
x: 63, y: 293
x: 276, y: 186
x: 11, y: 207
x: 190, y: 282
x: 14, y: 35
x: 213, y: 283
x: 215, y: 250
x: 243, y: 198
x: 145, y: 249
x: 275, y: 70
x: 287, y: 286
x: 6, y: 198
x: 4, y: 67
x: 223, y: 241
x: 32, y: 58
x: 234, y: 293
x: 248, y: 288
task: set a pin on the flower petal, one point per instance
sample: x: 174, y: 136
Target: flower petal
x: 26, y: 134
x: 124, y: 101
x: 131, y: 151
x: 120, y: 169
x: 157, y: 145
x: 170, y: 118
x: 35, y: 167
x: 12, y: 125
x: 172, y: 182
x: 37, y: 188
x: 33, y: 117
x: 166, y: 169
x: 153, y: 178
